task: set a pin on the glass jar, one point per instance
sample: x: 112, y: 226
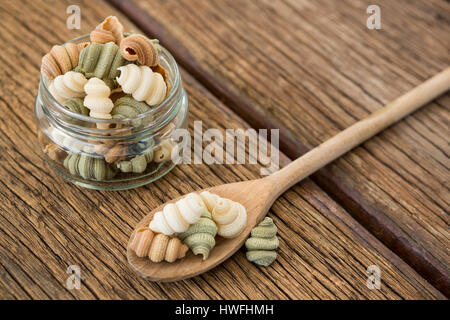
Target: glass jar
x: 112, y: 154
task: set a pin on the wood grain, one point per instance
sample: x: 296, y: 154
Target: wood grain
x: 312, y: 68
x: 47, y: 224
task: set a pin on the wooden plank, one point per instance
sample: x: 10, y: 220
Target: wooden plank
x: 47, y: 224
x: 312, y: 68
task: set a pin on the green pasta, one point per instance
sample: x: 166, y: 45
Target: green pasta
x: 127, y: 107
x: 262, y: 243
x: 138, y: 164
x: 200, y: 236
x: 89, y: 167
x: 101, y: 61
x: 76, y: 105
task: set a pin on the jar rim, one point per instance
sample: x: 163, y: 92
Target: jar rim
x: 167, y: 101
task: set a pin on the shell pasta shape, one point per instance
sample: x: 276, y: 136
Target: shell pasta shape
x: 76, y: 105
x: 262, y: 243
x: 138, y: 164
x: 127, y: 107
x: 101, y: 61
x: 109, y: 30
x: 97, y: 100
x: 68, y: 86
x: 89, y: 167
x: 230, y: 216
x: 164, y: 150
x: 200, y: 236
x: 178, y: 217
x: 156, y: 246
x: 140, y: 48
x: 142, y: 83
x: 61, y: 59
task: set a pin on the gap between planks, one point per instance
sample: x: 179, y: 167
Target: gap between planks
x: 374, y: 220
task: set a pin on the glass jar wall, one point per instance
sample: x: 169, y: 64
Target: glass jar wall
x: 120, y: 153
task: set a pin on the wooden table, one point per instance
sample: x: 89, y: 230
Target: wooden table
x: 309, y: 68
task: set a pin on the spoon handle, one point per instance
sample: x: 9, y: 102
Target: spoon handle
x: 359, y: 132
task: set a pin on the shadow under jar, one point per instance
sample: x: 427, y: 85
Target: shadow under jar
x: 131, y: 152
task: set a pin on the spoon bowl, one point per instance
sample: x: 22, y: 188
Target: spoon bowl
x: 254, y: 195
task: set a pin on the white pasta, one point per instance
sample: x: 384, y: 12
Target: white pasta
x: 142, y: 83
x: 235, y: 227
x: 178, y: 217
x: 97, y: 100
x: 230, y: 216
x: 164, y: 151
x: 210, y: 199
x: 69, y: 143
x: 67, y: 86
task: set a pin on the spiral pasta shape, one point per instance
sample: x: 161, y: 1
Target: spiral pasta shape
x: 127, y: 107
x: 68, y: 142
x: 109, y: 30
x: 76, y: 105
x: 157, y: 247
x: 200, y: 236
x: 138, y: 164
x: 262, y: 243
x: 140, y: 48
x: 142, y: 83
x: 97, y: 100
x: 230, y: 216
x: 88, y: 167
x: 68, y: 86
x: 61, y: 59
x: 176, y: 218
x: 101, y: 61
x: 164, y: 150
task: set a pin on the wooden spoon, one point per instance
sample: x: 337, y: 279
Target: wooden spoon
x: 258, y: 195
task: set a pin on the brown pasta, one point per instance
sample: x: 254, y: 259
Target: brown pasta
x: 61, y: 59
x: 157, y: 246
x: 110, y: 30
x: 140, y: 48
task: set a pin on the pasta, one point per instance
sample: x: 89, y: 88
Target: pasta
x: 54, y: 152
x: 97, y: 100
x: 157, y: 247
x: 176, y: 218
x: 142, y: 83
x: 165, y: 74
x: 140, y: 48
x: 69, y: 142
x: 61, y: 59
x: 68, y: 86
x: 230, y: 216
x: 138, y: 164
x: 76, y: 105
x: 101, y: 61
x: 127, y: 107
x: 164, y: 150
x: 200, y: 236
x: 110, y: 30
x: 116, y: 153
x: 210, y: 199
x: 88, y: 167
x: 262, y: 243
